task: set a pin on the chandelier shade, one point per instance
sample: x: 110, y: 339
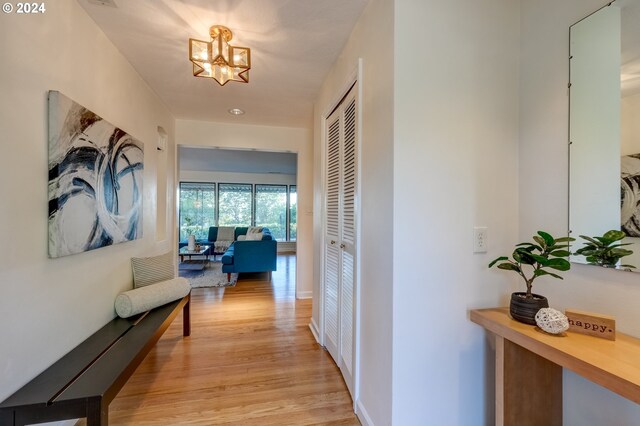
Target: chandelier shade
x: 219, y: 60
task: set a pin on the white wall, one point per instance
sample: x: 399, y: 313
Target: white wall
x: 455, y: 167
x: 51, y: 305
x: 264, y: 138
x: 371, y: 40
x: 544, y: 198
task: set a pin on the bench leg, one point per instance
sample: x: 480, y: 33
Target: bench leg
x: 97, y: 413
x: 186, y: 318
x: 7, y: 417
x: 228, y: 277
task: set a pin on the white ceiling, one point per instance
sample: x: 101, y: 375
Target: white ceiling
x: 293, y: 45
x: 237, y: 161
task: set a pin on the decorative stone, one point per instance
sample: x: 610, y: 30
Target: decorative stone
x: 552, y: 321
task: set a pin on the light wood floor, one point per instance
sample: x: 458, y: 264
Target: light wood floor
x: 251, y: 360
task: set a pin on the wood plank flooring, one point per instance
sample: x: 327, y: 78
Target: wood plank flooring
x: 251, y: 360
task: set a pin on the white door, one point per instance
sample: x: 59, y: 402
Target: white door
x: 332, y: 232
x: 348, y: 238
x: 340, y: 235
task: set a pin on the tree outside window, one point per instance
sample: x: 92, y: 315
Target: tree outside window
x: 235, y: 204
x: 271, y: 209
x: 197, y: 209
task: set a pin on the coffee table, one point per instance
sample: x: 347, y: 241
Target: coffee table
x: 193, y: 265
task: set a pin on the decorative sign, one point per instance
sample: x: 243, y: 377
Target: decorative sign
x: 596, y: 325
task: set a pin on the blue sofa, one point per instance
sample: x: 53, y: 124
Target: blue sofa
x: 245, y: 256
x: 250, y: 256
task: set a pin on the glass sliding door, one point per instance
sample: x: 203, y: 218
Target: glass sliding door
x: 271, y: 209
x: 197, y: 209
x: 234, y: 204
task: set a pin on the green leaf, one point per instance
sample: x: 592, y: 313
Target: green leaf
x: 614, y: 235
x: 509, y: 267
x: 539, y: 240
x: 541, y: 259
x: 628, y: 266
x: 529, y: 246
x: 498, y: 260
x: 620, y: 252
x: 541, y: 272
x: 621, y: 245
x: 525, y: 257
x: 565, y: 240
x: 560, y: 253
x: 559, y: 264
x: 547, y: 238
x: 597, y: 243
x: 586, y: 251
x: 555, y: 275
x: 516, y: 256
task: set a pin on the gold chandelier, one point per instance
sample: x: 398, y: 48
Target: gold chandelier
x: 219, y: 60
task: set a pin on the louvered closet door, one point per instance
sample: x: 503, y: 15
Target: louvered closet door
x: 348, y: 237
x: 332, y: 225
x: 340, y: 235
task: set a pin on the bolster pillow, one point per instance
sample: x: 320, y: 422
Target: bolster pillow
x: 142, y: 299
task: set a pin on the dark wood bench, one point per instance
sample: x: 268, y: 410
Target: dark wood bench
x: 85, y: 381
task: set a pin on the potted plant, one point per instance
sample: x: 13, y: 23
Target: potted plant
x: 530, y: 261
x: 603, y: 251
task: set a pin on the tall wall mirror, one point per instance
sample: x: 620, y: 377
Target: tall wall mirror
x: 604, y: 127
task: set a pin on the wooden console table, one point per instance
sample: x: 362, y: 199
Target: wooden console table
x: 529, y: 366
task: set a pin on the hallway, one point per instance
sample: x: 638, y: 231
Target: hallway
x: 251, y: 360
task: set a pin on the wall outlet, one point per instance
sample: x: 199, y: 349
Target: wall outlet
x: 480, y: 242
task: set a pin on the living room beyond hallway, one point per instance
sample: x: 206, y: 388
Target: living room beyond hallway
x: 250, y: 359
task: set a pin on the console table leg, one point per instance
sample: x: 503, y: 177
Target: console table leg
x: 528, y: 387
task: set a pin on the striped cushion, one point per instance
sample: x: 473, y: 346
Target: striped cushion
x: 149, y: 270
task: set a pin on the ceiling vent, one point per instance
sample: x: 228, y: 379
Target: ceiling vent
x: 110, y: 3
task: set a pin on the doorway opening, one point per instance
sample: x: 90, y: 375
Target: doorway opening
x: 238, y: 189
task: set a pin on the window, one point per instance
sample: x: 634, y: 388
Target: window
x: 197, y: 209
x: 234, y: 207
x: 293, y: 213
x: 238, y: 204
x: 271, y: 209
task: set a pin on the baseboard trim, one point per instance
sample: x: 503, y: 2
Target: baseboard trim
x: 315, y: 330
x: 304, y: 295
x: 362, y: 414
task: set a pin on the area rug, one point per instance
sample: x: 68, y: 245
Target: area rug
x: 211, y: 276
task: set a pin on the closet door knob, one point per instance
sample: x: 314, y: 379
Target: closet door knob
x: 342, y: 246
x: 332, y: 242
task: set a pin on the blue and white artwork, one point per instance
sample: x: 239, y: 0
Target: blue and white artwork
x: 95, y: 180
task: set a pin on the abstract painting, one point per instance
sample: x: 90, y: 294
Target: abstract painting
x: 95, y: 180
x: 630, y: 195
